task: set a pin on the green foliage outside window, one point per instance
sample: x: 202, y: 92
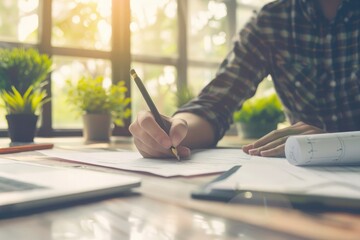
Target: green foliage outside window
x: 82, y: 24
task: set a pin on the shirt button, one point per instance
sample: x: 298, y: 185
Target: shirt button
x: 297, y: 83
x: 328, y: 62
x: 328, y: 37
x: 334, y: 117
x: 332, y: 83
x: 346, y: 19
x: 353, y: 75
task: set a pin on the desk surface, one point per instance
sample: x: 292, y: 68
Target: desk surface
x: 163, y: 209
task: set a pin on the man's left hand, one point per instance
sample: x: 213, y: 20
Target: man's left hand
x: 273, y: 143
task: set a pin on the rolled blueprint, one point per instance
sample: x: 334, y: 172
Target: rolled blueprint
x: 324, y: 149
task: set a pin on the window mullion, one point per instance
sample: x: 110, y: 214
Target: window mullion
x: 231, y: 15
x: 120, y: 57
x: 45, y: 25
x: 182, y: 43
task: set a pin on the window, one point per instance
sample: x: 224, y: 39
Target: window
x: 171, y: 43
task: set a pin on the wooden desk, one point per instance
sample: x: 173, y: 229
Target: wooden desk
x: 163, y: 209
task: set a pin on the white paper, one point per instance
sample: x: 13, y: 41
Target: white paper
x: 261, y: 174
x: 324, y: 149
x: 201, y: 162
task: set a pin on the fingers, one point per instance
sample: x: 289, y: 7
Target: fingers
x: 276, y: 151
x: 148, y: 124
x: 276, y: 134
x: 184, y: 152
x: 178, y: 131
x: 273, y: 144
x: 152, y: 141
x: 296, y: 129
x: 268, y: 142
x: 151, y: 152
x: 275, y: 148
x: 246, y: 148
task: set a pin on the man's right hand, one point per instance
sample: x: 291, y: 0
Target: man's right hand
x: 153, y: 142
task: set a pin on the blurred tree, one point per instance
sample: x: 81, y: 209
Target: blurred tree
x: 154, y: 27
x: 19, y: 20
x: 208, y: 30
x: 83, y: 24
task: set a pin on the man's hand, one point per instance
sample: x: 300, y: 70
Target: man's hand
x: 273, y: 143
x: 153, y: 142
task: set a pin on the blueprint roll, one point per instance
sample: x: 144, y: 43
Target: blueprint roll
x: 324, y: 149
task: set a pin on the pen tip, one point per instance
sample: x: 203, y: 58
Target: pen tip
x: 174, y: 151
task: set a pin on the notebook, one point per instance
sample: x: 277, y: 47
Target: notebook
x: 28, y: 186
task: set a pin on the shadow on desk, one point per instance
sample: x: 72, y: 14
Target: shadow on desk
x: 66, y: 204
x: 305, y: 203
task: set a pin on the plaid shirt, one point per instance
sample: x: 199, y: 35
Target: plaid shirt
x: 314, y: 64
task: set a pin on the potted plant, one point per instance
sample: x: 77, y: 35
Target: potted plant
x: 22, y: 75
x: 183, y: 96
x: 259, y: 116
x: 22, y: 112
x: 100, y: 106
x: 22, y: 68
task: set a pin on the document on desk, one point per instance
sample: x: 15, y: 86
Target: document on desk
x: 201, y: 161
x: 279, y: 176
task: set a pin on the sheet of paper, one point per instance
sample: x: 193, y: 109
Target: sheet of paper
x: 261, y: 174
x: 201, y: 162
x: 324, y: 149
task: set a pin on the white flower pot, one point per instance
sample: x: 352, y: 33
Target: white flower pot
x: 97, y: 127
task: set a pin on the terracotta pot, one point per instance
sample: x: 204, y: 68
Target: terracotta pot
x: 21, y: 127
x: 97, y: 127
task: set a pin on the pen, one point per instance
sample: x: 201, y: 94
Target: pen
x: 153, y: 108
x: 27, y: 147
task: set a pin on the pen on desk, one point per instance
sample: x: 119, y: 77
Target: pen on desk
x: 153, y: 108
x: 26, y: 147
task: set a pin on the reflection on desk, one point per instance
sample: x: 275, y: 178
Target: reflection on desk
x: 164, y: 210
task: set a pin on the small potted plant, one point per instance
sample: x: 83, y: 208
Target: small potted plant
x: 23, y: 112
x: 100, y: 106
x: 22, y: 68
x: 183, y: 96
x: 259, y: 116
x: 22, y: 75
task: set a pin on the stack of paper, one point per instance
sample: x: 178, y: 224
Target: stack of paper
x: 201, y: 162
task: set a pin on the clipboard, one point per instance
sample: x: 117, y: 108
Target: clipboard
x: 307, y: 202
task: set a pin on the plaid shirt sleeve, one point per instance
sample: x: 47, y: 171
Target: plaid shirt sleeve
x: 236, y: 80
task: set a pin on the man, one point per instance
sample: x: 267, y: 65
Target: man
x: 311, y: 48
